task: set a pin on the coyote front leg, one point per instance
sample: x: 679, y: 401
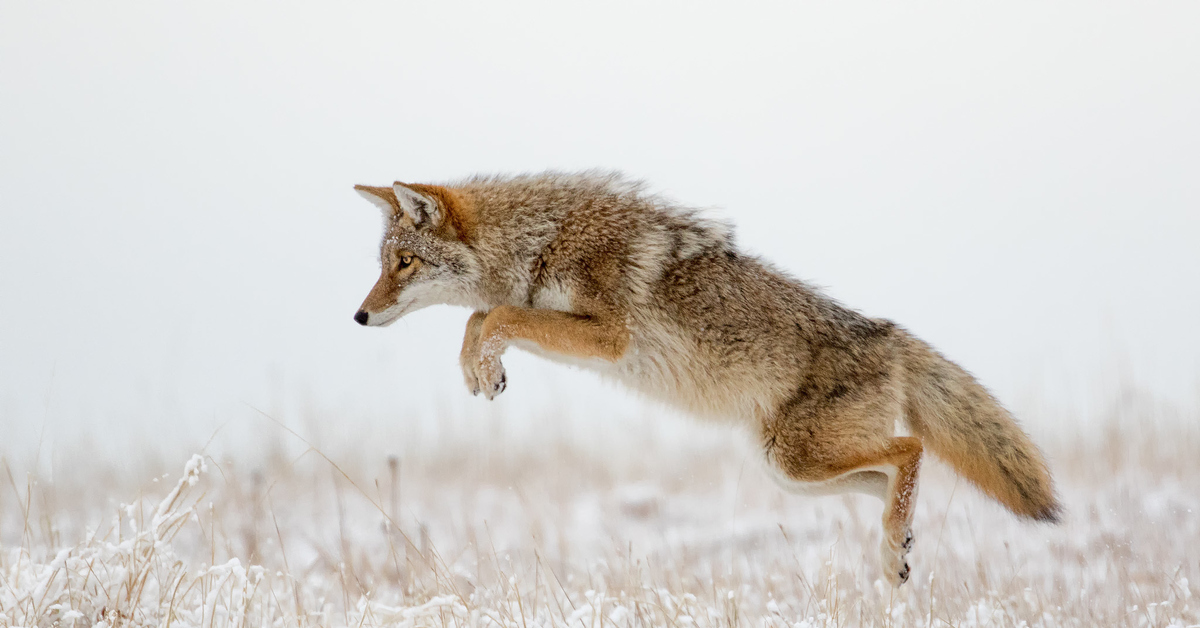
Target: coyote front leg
x: 489, y: 335
x: 468, y: 358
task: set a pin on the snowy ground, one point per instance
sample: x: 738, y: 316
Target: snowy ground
x: 639, y: 526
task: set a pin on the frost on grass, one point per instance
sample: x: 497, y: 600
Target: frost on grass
x: 131, y: 576
x: 495, y: 532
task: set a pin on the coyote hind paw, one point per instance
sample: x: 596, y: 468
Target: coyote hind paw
x: 893, y: 555
x: 902, y: 575
x: 897, y: 571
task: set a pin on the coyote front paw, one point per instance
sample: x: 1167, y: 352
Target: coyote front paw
x: 468, y: 363
x: 489, y: 377
x: 480, y: 357
x: 483, y: 376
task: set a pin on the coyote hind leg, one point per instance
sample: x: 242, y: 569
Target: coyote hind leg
x: 904, y: 453
x: 888, y: 472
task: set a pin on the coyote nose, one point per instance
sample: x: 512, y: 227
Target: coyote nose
x: 361, y: 317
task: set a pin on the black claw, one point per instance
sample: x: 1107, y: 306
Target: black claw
x: 908, y: 541
x: 904, y: 574
x: 501, y: 384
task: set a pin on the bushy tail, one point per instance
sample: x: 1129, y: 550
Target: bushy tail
x: 965, y: 426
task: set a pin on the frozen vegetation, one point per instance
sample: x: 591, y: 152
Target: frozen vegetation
x: 643, y: 525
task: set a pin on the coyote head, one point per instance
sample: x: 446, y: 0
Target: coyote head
x: 424, y: 256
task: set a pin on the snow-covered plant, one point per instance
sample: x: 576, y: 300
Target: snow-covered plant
x: 131, y: 576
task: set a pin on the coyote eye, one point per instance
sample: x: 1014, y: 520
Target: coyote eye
x: 405, y: 261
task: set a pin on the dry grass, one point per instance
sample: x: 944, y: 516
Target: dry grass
x: 630, y: 525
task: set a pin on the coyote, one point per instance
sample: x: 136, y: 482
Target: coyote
x: 593, y: 270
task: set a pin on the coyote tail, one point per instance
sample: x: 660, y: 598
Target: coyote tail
x: 965, y: 426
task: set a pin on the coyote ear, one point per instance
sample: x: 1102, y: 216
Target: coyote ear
x: 418, y: 206
x: 383, y: 198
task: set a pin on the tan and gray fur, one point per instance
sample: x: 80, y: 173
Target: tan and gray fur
x: 592, y: 270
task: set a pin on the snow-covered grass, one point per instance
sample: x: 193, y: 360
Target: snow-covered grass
x: 642, y: 525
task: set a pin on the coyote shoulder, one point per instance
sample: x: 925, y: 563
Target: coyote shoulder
x: 590, y: 268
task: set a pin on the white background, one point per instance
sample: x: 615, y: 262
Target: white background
x: 1015, y: 182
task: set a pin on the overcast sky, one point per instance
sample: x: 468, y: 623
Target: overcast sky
x: 1015, y: 182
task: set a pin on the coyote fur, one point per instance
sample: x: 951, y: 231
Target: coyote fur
x: 592, y: 269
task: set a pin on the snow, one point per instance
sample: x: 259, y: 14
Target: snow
x: 648, y: 530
